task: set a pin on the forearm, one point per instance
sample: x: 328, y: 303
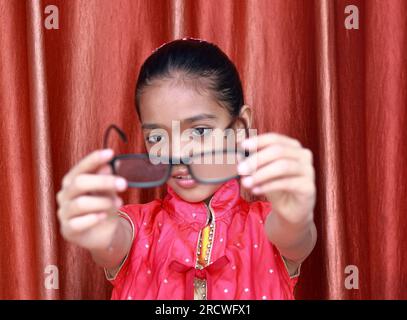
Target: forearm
x: 295, y: 241
x: 112, y: 255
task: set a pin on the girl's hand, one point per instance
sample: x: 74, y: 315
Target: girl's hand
x: 282, y: 170
x: 88, y: 200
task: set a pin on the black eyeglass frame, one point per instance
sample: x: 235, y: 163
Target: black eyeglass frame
x: 170, y: 161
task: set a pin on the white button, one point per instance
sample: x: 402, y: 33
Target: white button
x: 187, y: 260
x: 147, y: 245
x: 264, y: 297
x: 165, y: 281
x: 255, y: 246
x: 271, y: 270
x: 246, y: 289
x: 149, y: 271
x: 226, y: 290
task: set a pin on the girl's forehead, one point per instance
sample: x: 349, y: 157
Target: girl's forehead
x: 177, y: 102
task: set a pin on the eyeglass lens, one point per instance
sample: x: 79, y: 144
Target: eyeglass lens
x: 208, y: 167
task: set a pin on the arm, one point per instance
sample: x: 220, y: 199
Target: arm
x: 112, y: 256
x: 281, y: 169
x: 87, y: 205
x: 294, y: 241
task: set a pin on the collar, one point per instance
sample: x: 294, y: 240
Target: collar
x: 225, y: 201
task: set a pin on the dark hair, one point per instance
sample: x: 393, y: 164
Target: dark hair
x: 198, y: 61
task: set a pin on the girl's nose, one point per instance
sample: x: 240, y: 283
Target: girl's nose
x: 179, y: 170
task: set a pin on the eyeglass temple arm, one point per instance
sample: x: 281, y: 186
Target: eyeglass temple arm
x: 122, y: 135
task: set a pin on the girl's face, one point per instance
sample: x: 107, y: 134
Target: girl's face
x: 197, y: 112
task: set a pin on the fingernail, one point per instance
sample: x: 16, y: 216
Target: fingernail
x: 121, y: 184
x: 243, y: 168
x: 106, y: 154
x: 247, y: 182
x: 256, y: 190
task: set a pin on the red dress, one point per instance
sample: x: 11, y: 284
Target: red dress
x: 163, y: 262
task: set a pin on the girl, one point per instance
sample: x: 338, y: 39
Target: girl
x: 201, y: 241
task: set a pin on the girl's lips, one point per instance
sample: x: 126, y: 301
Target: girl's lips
x: 183, y: 179
x: 185, y: 183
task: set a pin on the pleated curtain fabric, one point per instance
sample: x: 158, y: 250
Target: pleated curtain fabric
x: 342, y: 93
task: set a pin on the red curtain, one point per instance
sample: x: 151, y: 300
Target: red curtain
x: 341, y: 92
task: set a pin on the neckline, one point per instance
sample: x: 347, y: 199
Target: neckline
x: 224, y: 202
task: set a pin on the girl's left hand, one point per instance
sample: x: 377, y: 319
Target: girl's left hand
x: 282, y: 170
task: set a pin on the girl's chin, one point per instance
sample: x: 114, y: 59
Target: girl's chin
x: 196, y: 193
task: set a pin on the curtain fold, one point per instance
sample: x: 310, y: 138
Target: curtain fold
x: 342, y: 93
x: 327, y: 115
x: 386, y: 96
x: 41, y: 166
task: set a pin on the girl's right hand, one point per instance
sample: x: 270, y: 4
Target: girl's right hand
x: 88, y: 200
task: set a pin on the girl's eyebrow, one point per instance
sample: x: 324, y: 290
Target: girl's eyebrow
x: 189, y: 120
x: 150, y: 126
x: 200, y: 117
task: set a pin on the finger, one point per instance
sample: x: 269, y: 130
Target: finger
x: 62, y: 198
x: 298, y: 185
x: 80, y: 224
x: 263, y: 140
x: 106, y: 169
x: 63, y: 195
x: 88, y: 164
x: 85, y: 183
x: 270, y: 154
x: 277, y: 169
x: 89, y: 204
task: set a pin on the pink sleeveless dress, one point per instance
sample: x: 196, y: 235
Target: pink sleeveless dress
x: 164, y: 260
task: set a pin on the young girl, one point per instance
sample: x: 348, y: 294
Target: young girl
x: 201, y: 241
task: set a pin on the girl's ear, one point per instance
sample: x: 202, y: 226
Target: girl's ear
x: 247, y: 114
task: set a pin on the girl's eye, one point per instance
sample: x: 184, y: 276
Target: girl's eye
x: 201, y: 131
x: 154, y: 138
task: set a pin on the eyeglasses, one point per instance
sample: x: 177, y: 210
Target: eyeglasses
x: 145, y: 170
